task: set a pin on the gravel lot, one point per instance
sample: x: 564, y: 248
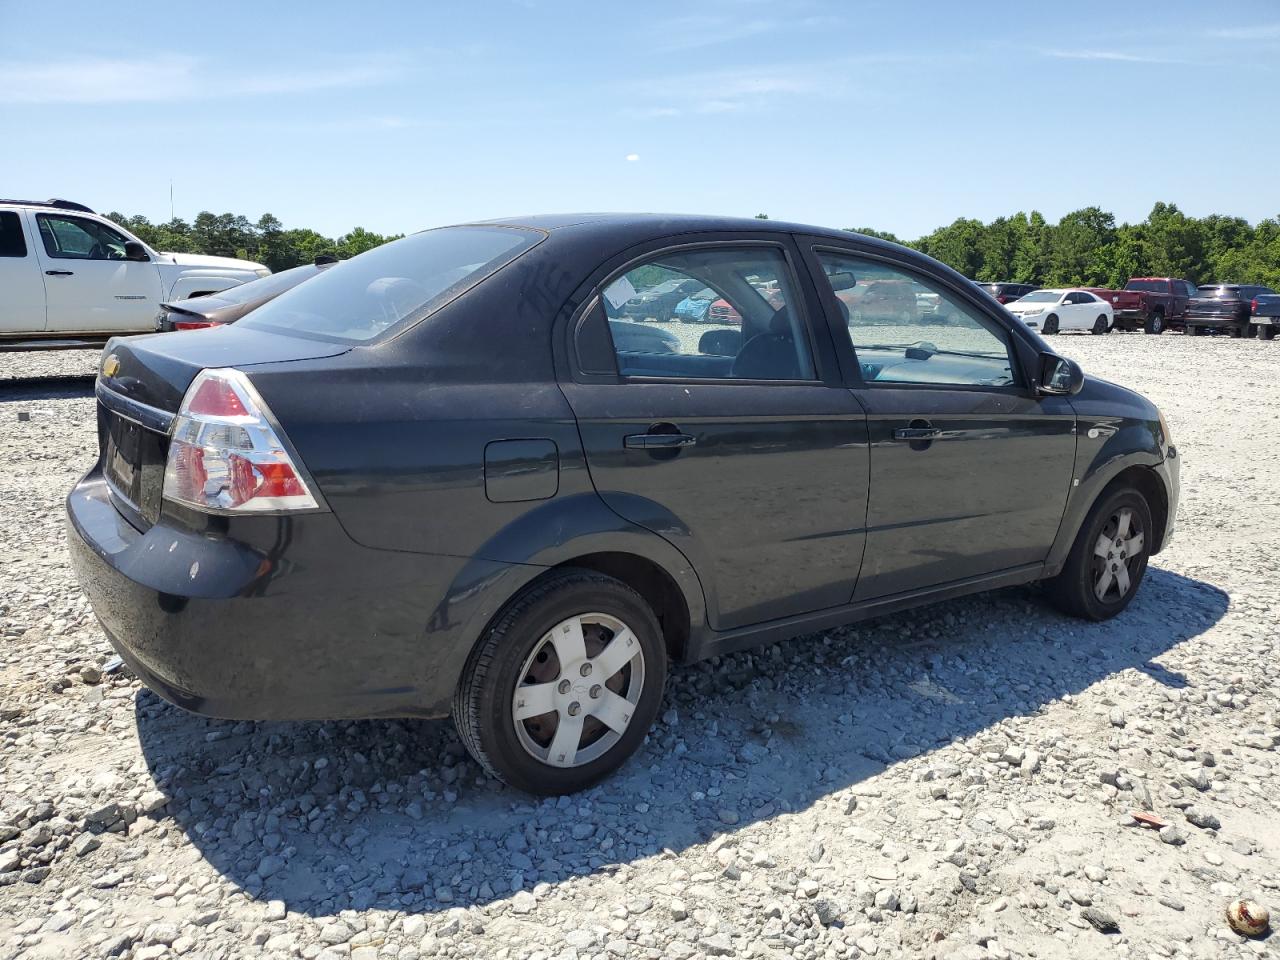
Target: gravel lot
x: 951, y: 782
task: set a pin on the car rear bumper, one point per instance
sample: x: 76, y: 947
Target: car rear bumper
x: 269, y: 618
x: 1216, y: 319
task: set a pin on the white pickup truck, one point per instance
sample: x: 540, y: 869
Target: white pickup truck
x: 69, y: 277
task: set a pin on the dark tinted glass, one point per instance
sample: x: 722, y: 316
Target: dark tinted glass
x: 12, y: 243
x: 267, y: 287
x: 1216, y: 292
x: 1151, y: 286
x: 394, y: 285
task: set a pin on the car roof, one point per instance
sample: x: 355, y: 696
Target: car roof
x: 657, y: 224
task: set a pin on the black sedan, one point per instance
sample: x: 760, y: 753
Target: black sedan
x: 228, y: 306
x: 436, y: 479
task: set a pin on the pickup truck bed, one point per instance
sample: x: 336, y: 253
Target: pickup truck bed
x: 1265, y: 315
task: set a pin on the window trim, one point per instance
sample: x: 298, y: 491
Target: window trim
x: 42, y: 217
x: 816, y: 246
x: 799, y: 310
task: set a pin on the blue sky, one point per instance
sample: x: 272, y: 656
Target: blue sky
x: 896, y: 115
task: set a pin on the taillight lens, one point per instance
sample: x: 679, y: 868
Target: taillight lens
x: 193, y: 324
x: 224, y: 454
x: 1253, y: 306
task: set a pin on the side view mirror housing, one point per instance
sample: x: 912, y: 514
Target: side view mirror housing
x: 133, y: 250
x: 720, y: 343
x: 1059, y: 376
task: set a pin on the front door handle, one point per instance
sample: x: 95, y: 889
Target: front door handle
x: 917, y: 433
x: 658, y: 441
x: 59, y: 273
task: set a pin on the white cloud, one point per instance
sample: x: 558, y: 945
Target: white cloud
x: 1259, y: 31
x: 738, y: 89
x: 1114, y: 56
x: 168, y: 78
x: 632, y: 157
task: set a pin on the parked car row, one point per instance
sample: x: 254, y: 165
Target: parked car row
x: 72, y: 278
x: 1152, y: 304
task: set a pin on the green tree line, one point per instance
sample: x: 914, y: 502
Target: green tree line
x: 1087, y: 248
x: 266, y: 241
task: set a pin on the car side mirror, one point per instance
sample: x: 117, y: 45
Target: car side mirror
x: 133, y: 250
x: 720, y: 343
x: 1059, y: 376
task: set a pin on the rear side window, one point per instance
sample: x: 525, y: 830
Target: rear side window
x: 395, y: 285
x: 713, y: 313
x: 12, y: 242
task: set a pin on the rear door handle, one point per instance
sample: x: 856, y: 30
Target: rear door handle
x: 59, y: 273
x: 917, y: 433
x: 658, y: 441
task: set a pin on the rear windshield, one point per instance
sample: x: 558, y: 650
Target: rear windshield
x: 394, y: 285
x: 1218, y: 293
x: 1151, y: 286
x: 267, y: 287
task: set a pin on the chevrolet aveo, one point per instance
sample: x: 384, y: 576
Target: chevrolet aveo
x: 436, y: 479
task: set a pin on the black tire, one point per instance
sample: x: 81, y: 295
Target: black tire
x: 1250, y: 331
x: 1154, y: 324
x: 1074, y: 590
x: 1050, y: 326
x: 1234, y: 331
x: 1194, y: 330
x: 1267, y: 332
x: 1100, y: 326
x: 483, y: 708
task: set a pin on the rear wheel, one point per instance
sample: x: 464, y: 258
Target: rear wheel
x: 1235, y: 331
x: 1108, y: 560
x: 564, y: 686
x: 1266, y: 332
x: 1099, y: 325
x: 1155, y: 323
x: 1050, y: 326
x: 1194, y: 330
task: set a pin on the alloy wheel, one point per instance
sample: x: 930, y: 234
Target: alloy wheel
x: 1117, y: 554
x: 578, y: 690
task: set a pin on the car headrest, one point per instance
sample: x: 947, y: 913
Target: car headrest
x: 780, y: 323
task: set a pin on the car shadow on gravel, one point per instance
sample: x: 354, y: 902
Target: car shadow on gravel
x: 392, y: 814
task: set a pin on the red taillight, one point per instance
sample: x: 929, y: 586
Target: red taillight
x: 193, y: 324
x: 1003, y: 299
x: 215, y: 397
x: 1253, y: 306
x: 224, y: 454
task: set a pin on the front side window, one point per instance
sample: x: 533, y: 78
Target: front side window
x: 709, y: 313
x: 12, y: 242
x: 906, y: 331
x: 75, y: 238
x: 394, y: 285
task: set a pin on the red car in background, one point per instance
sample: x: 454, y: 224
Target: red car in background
x: 1153, y: 304
x: 722, y: 312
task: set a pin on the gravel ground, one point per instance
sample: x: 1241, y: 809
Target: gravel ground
x: 951, y: 782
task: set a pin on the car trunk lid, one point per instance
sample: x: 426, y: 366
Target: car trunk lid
x: 140, y: 388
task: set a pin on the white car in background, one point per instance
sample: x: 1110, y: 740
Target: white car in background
x: 72, y: 278
x: 1070, y: 308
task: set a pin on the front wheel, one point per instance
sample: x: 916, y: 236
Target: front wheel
x: 564, y: 685
x: 1100, y: 325
x: 1108, y: 560
x: 1050, y: 326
